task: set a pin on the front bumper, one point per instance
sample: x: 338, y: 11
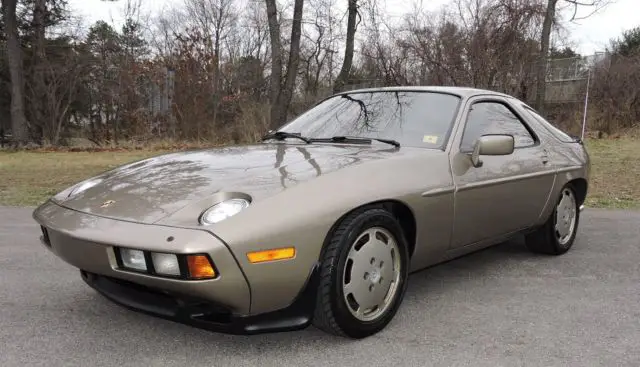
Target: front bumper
x: 222, y: 304
x: 87, y: 242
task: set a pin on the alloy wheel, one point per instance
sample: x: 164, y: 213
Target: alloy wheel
x: 566, y: 212
x: 372, y: 274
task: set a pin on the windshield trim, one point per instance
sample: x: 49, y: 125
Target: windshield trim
x: 447, y: 136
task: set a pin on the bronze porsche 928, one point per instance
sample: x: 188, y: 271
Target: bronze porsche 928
x: 323, y: 220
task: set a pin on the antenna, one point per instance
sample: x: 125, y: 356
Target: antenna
x: 586, y: 103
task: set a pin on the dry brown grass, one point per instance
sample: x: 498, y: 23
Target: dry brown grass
x: 615, y: 173
x: 30, y: 177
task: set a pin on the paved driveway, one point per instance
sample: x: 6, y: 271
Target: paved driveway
x: 498, y: 307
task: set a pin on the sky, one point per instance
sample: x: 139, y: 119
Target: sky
x: 586, y: 36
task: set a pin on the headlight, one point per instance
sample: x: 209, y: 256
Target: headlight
x: 223, y: 210
x: 133, y: 259
x: 165, y: 264
x: 84, y: 186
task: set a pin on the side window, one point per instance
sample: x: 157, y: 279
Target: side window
x: 561, y: 135
x: 494, y: 118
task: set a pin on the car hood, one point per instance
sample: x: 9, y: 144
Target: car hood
x: 152, y: 189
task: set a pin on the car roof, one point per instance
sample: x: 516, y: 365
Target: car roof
x: 464, y: 92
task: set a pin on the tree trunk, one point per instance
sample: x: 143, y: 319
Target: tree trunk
x: 276, y: 60
x: 294, y: 60
x: 541, y: 79
x: 281, y: 94
x: 343, y: 76
x: 37, y: 93
x: 19, y: 124
x: 216, y: 71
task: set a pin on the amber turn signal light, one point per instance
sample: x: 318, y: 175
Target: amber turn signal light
x: 200, y: 267
x: 271, y: 255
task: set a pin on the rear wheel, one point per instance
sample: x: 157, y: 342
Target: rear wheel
x: 364, y: 272
x: 557, y: 235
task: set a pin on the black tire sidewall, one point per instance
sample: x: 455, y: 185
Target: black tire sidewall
x: 346, y: 321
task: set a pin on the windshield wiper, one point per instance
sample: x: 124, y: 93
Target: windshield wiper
x: 358, y: 139
x: 281, y: 135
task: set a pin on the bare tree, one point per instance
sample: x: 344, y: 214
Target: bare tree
x: 483, y: 43
x: 19, y: 124
x: 281, y: 93
x: 213, y: 18
x: 210, y: 63
x: 316, y: 54
x: 253, y: 33
x: 343, y: 76
x: 63, y: 72
x: 162, y: 28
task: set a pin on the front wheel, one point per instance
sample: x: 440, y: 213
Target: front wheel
x: 364, y: 272
x: 558, y: 233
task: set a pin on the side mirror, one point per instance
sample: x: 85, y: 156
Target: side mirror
x: 492, y: 145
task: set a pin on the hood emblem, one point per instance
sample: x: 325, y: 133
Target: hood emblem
x: 107, y: 203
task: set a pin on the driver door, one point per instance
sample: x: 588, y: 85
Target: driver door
x: 506, y: 193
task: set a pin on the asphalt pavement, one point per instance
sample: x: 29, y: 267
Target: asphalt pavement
x: 499, y: 307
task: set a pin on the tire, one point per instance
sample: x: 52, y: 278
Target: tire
x: 549, y: 241
x: 345, y: 254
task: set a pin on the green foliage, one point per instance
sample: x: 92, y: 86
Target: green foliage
x: 57, y: 13
x: 76, y: 79
x: 627, y: 45
x: 564, y: 53
x: 132, y: 40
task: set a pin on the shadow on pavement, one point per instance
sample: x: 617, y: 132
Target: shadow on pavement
x: 117, y: 320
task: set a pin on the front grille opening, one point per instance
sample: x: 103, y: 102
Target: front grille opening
x: 45, y: 236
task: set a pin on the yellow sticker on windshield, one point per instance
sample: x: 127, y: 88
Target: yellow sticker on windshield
x: 432, y: 139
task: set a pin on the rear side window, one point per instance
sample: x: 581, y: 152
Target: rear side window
x: 494, y: 118
x: 561, y: 135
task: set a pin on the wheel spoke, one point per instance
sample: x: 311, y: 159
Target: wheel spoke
x: 350, y: 288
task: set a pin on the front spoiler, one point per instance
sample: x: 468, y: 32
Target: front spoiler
x: 205, y: 314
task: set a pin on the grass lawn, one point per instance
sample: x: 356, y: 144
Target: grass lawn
x: 615, y: 173
x: 29, y: 178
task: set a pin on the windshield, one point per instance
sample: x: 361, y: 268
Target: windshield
x: 414, y: 119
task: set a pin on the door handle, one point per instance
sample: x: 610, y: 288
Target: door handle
x: 545, y: 157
